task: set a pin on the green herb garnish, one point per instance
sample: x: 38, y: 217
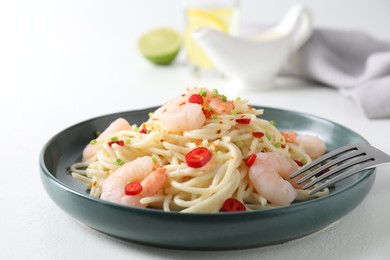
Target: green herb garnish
x: 203, y: 92
x: 119, y: 162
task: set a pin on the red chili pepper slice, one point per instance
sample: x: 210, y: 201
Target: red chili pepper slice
x: 258, y: 134
x: 233, y: 205
x: 198, y: 157
x: 300, y: 164
x: 196, y: 98
x: 143, y: 131
x: 251, y: 160
x: 120, y: 143
x: 324, y: 171
x: 244, y: 121
x: 133, y: 188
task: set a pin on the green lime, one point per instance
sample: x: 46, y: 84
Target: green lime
x: 160, y: 45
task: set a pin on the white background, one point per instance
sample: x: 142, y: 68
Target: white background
x: 62, y: 62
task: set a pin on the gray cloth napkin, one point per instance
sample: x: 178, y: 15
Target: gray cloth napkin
x: 351, y: 61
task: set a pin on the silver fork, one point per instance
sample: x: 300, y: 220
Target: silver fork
x: 347, y: 160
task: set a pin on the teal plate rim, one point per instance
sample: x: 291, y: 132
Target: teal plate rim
x: 199, y: 231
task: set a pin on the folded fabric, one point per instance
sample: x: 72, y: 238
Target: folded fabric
x: 351, y: 61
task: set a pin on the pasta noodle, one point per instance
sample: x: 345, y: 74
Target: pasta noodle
x: 189, y: 189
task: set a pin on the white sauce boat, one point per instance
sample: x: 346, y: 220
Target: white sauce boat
x: 255, y: 61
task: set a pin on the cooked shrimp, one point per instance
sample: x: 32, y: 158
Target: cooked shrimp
x: 118, y: 125
x: 180, y: 114
x: 216, y: 105
x: 180, y: 118
x: 269, y: 175
x: 139, y: 170
x: 312, y: 145
x: 290, y: 136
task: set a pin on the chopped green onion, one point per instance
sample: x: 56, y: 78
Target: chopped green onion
x: 220, y: 152
x: 127, y: 141
x: 114, y: 139
x: 234, y: 112
x: 203, y: 92
x: 150, y: 114
x: 148, y: 131
x: 214, y: 116
x: 214, y: 93
x: 119, y: 162
x: 97, y: 133
x: 94, y: 141
x: 278, y: 145
x: 154, y: 159
x: 223, y: 98
x: 238, y: 99
x: 268, y: 135
x: 272, y: 122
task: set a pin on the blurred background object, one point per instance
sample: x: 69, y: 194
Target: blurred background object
x: 368, y: 16
x: 221, y: 15
x: 160, y: 45
x: 254, y: 62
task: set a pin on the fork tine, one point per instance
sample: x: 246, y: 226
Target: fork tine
x: 330, y: 164
x: 347, y: 164
x: 349, y: 160
x: 346, y: 174
x: 323, y: 158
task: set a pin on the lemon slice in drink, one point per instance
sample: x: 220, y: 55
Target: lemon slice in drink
x: 214, y: 18
x: 160, y: 45
x: 209, y: 18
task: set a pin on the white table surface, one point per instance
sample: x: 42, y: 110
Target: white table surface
x: 64, y: 63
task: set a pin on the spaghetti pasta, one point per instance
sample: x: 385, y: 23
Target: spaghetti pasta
x: 231, y: 131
